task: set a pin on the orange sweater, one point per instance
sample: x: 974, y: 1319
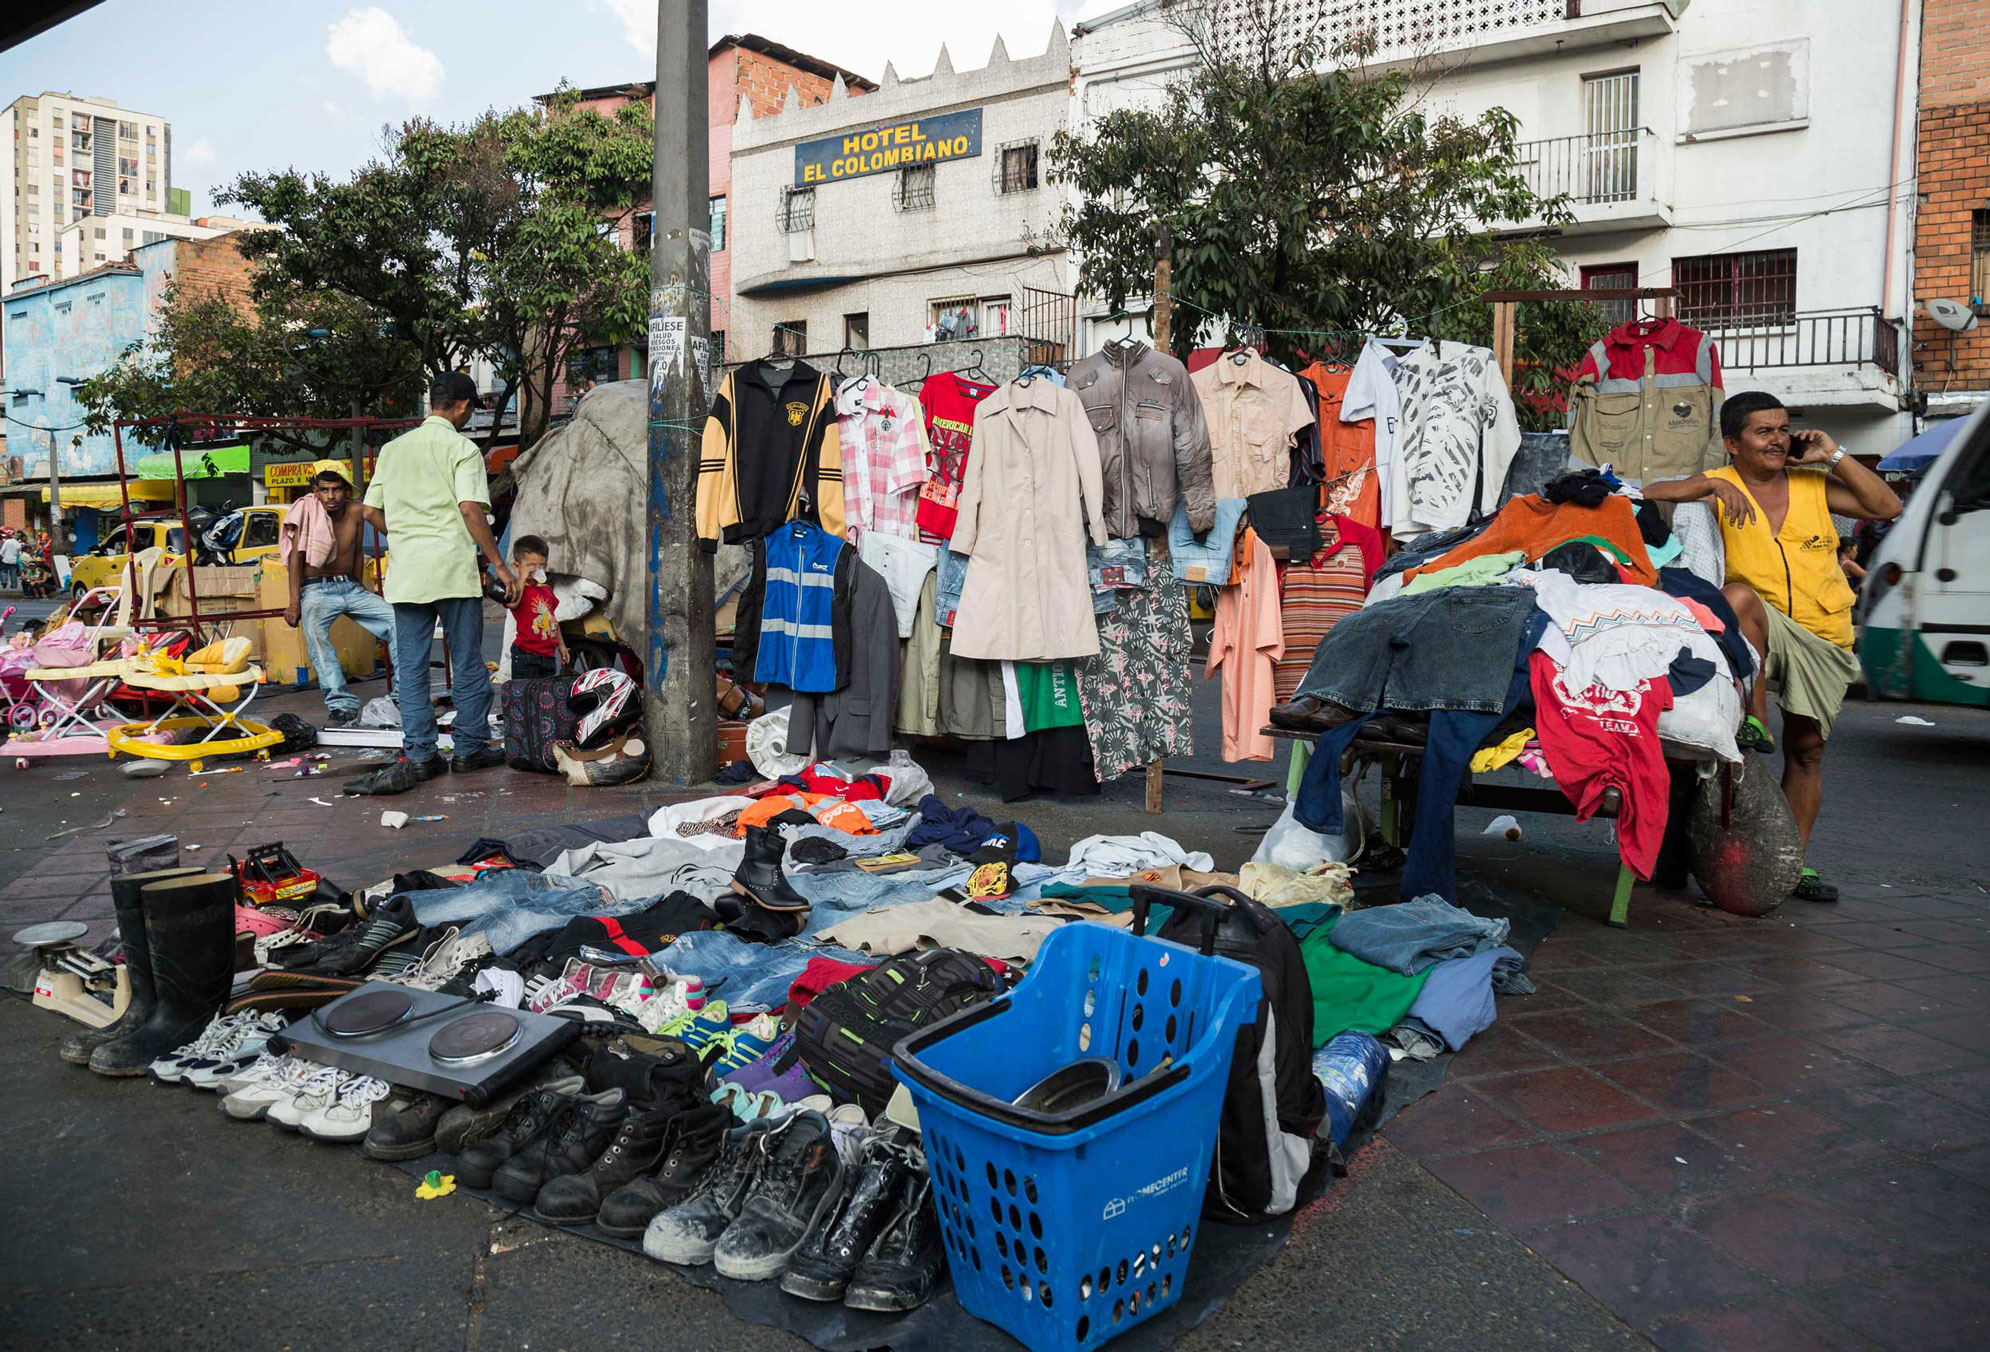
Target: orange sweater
x: 1535, y: 526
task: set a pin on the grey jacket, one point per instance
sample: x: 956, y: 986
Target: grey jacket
x: 1153, y: 443
x: 856, y: 720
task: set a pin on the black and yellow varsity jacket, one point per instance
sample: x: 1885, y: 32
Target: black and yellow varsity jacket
x: 770, y: 454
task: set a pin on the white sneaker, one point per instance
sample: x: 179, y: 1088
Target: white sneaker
x: 168, y: 1068
x: 542, y: 994
x: 446, y: 957
x: 664, y: 1006
x: 349, y: 1114
x: 233, y: 1053
x: 311, y: 1094
x: 259, y: 1092
x: 255, y: 1072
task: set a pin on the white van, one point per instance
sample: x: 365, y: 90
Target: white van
x: 1925, y: 606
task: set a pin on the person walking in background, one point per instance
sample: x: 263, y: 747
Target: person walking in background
x: 320, y: 546
x: 429, y: 497
x: 10, y: 560
x: 1774, y: 503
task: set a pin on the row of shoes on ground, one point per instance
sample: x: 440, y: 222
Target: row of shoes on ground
x: 227, y: 1046
x: 322, y: 1102
x: 779, y: 1201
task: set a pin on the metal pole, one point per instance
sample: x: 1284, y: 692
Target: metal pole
x: 1164, y: 318
x: 58, y: 534
x: 680, y: 713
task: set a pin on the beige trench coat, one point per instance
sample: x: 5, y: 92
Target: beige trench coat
x: 1033, y: 490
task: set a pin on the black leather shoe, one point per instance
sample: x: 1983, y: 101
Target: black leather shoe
x: 903, y: 1266
x: 763, y: 903
x: 396, y: 777
x: 1309, y: 713
x: 483, y: 758
x: 576, y: 1139
x: 528, y: 1120
x: 575, y: 1199
x: 821, y: 1269
x: 691, y: 1143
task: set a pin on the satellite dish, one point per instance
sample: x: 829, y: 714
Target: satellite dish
x: 1952, y: 315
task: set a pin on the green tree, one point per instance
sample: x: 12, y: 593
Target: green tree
x: 1306, y: 192
x: 499, y: 239
x: 295, y: 353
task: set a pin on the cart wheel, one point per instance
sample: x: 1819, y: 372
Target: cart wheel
x: 20, y: 762
x: 263, y: 755
x: 195, y: 766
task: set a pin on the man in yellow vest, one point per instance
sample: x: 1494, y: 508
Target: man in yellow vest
x: 1774, y: 503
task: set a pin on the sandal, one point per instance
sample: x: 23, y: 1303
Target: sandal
x: 1810, y: 887
x: 1754, y: 735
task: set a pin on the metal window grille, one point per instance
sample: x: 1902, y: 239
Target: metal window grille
x: 1015, y: 166
x: 1979, y: 260
x: 797, y: 210
x: 1612, y: 277
x: 1759, y: 287
x: 913, y: 190
x: 791, y: 337
x: 718, y: 206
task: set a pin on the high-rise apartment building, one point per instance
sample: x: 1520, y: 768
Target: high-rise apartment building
x: 73, y: 159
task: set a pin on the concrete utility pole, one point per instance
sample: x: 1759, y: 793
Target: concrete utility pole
x: 680, y: 712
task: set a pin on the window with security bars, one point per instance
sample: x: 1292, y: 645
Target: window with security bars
x: 797, y: 210
x: 1979, y: 261
x: 1015, y: 167
x: 913, y: 190
x: 1737, y: 288
x: 1612, y: 277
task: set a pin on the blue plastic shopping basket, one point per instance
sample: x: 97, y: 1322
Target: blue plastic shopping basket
x: 1069, y: 1228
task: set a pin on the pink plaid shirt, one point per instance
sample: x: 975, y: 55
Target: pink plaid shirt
x: 883, y: 433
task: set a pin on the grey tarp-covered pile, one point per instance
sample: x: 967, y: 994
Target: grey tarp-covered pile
x: 585, y: 488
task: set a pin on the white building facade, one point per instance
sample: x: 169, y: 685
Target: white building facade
x: 1757, y: 156
x: 75, y: 159
x: 92, y: 241
x: 862, y: 222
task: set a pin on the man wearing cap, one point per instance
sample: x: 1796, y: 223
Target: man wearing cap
x: 429, y: 496
x: 320, y: 545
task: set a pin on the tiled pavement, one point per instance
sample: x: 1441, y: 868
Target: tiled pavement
x: 1758, y: 1134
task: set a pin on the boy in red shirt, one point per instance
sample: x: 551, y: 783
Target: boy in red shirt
x: 538, y: 640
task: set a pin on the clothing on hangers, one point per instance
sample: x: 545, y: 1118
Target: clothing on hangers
x: 1370, y: 394
x: 1458, y: 435
x: 949, y: 402
x: 1347, y: 447
x: 1153, y: 442
x: 1254, y: 412
x: 1647, y: 400
x: 883, y: 437
x: 1244, y: 646
x: 1315, y: 594
x: 770, y: 453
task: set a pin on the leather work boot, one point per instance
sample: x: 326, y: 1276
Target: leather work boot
x: 692, y: 1142
x: 821, y: 1269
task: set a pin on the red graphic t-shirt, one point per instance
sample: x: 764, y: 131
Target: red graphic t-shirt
x: 1601, y: 739
x: 949, y: 403
x: 538, y: 631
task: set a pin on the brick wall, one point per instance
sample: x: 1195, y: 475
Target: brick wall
x: 1953, y: 136
x: 205, y: 266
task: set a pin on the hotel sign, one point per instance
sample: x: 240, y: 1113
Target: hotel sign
x: 926, y: 140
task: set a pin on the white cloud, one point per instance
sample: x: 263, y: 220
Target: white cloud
x: 371, y: 44
x: 199, y: 155
x: 638, y: 20
x: 331, y: 109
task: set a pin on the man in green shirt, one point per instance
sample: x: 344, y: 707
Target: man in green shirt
x: 429, y: 497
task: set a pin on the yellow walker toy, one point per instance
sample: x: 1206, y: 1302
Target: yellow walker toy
x: 211, y: 689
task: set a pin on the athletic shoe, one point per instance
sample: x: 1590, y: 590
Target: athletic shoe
x: 257, y: 1090
x: 387, y: 926
x: 349, y: 1114
x: 169, y: 1068
x: 800, y: 1179
x: 689, y: 1232
x: 312, y: 1094
x: 442, y: 960
x: 233, y: 1054
x: 404, y: 1127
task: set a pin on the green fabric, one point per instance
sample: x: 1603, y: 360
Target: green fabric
x: 418, y: 481
x: 1349, y: 994
x: 1608, y: 548
x: 1482, y: 571
x: 196, y: 462
x: 1049, y: 694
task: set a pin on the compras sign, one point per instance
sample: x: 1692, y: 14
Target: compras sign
x: 926, y: 140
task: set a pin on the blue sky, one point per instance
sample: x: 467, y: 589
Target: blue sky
x: 309, y: 84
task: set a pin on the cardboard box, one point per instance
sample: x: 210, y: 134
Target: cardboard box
x: 282, y: 647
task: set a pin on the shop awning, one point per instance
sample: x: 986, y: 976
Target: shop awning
x: 196, y: 462
x: 107, y: 496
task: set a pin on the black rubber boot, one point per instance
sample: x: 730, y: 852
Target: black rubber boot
x: 772, y: 907
x: 125, y: 888
x: 190, y: 936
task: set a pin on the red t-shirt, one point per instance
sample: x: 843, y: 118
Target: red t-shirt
x: 538, y: 631
x: 949, y: 403
x: 1602, y: 739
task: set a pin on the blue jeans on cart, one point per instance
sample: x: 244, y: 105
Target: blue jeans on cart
x: 324, y: 599
x: 1431, y: 867
x: 462, y: 620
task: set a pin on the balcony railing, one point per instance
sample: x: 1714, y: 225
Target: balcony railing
x: 1853, y: 337
x: 1593, y: 170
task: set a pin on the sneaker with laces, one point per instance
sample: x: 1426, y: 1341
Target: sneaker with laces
x: 233, y: 1054
x: 348, y: 1115
x: 800, y: 1178
x: 444, y: 959
x: 168, y: 1069
x: 255, y: 1098
x: 689, y: 1232
x: 386, y: 926
x: 312, y: 1094
x: 260, y: 1069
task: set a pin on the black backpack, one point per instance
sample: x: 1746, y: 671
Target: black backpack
x: 844, y: 1036
x: 1273, y: 1106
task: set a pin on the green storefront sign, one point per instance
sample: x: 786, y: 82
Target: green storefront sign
x: 897, y: 145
